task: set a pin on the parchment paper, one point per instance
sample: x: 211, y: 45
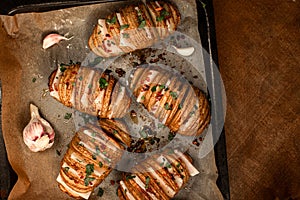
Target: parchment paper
x: 25, y: 68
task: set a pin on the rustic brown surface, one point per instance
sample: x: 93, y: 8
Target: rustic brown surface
x: 259, y: 56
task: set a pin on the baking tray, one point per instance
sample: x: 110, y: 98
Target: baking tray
x: 208, y: 39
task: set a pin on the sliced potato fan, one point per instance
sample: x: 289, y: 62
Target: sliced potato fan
x: 134, y: 27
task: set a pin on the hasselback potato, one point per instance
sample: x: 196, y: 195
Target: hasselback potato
x: 159, y: 177
x: 88, y: 90
x: 92, y: 154
x: 171, y: 99
x: 134, y: 27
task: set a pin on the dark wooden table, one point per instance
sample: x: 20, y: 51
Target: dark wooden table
x: 259, y: 56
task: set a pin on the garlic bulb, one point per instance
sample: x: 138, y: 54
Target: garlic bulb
x: 38, y: 135
x: 53, y: 39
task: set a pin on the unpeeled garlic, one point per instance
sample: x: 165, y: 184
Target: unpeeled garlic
x: 38, y: 135
x: 53, y: 39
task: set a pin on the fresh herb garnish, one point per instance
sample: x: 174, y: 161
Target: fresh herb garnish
x: 163, y: 15
x: 63, y: 68
x: 174, y: 95
x: 103, y: 83
x: 179, y: 107
x: 143, y: 98
x: 162, y: 87
x: 125, y: 35
x: 124, y: 26
x: 80, y: 78
x: 142, y: 24
x: 171, y: 136
x: 147, y: 182
x: 112, y: 20
x: 160, y: 18
x: 115, y: 132
x: 100, y: 192
x: 33, y: 80
x: 130, y: 177
x: 161, y: 126
x: 153, y: 89
x: 68, y: 116
x: 167, y: 106
x: 100, y: 164
x: 97, y: 150
x: 89, y: 169
x: 168, y: 165
x: 87, y: 180
x: 178, y: 165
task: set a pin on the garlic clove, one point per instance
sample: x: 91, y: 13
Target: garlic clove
x: 188, y: 51
x: 53, y: 39
x: 38, y: 135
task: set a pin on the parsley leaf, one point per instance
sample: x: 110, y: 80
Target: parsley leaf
x: 167, y: 106
x: 124, y: 26
x: 100, y: 164
x: 68, y: 116
x: 103, y: 83
x: 142, y: 24
x: 100, y: 192
x: 130, y: 177
x: 89, y: 169
x: 147, y: 182
x: 87, y: 180
x: 153, y: 89
x: 174, y: 95
x: 112, y: 20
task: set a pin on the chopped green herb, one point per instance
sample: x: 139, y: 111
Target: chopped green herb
x: 153, y: 89
x: 174, y: 95
x: 130, y: 177
x: 112, y: 20
x: 160, y: 18
x: 192, y: 113
x: 93, y: 134
x: 100, y: 164
x: 68, y: 116
x: 167, y: 106
x: 178, y: 165
x: 115, y: 132
x: 196, y: 107
x: 162, y: 87
x: 171, y: 136
x: 161, y: 126
x: 143, y: 98
x: 33, y: 80
x: 142, y: 24
x: 79, y: 160
x: 97, y: 150
x: 100, y: 192
x: 124, y: 26
x: 93, y: 140
x: 168, y: 165
x: 63, y: 68
x: 108, y: 160
x: 94, y: 157
x: 80, y: 78
x: 89, y: 169
x: 179, y: 107
x: 125, y: 35
x: 147, y: 182
x: 66, y: 169
x: 90, y: 86
x: 162, y: 164
x: 74, y: 83
x: 164, y: 13
x: 87, y: 180
x: 103, y: 83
